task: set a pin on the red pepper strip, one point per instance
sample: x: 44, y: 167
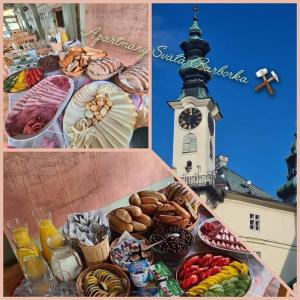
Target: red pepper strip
x: 188, y: 282
x: 190, y: 261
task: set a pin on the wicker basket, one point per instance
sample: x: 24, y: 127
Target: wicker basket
x: 109, y: 267
x: 139, y: 237
x: 96, y: 254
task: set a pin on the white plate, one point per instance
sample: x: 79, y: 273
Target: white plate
x: 76, y: 109
x: 24, y: 138
x: 202, y: 237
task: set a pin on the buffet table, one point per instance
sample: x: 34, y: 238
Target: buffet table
x: 263, y: 282
x: 83, y: 86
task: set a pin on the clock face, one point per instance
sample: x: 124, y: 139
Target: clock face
x: 211, y: 124
x: 190, y: 118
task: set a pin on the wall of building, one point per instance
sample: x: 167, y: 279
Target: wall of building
x: 276, y: 240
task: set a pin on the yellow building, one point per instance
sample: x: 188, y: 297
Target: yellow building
x: 267, y: 225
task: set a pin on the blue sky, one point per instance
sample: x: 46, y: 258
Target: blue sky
x: 256, y: 130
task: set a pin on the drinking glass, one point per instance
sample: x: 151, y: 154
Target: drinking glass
x: 43, y: 217
x: 38, y: 275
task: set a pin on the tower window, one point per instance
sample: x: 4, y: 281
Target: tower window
x: 189, y: 143
x: 211, y: 150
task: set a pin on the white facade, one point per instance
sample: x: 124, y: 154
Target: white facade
x: 275, y: 241
x: 203, y: 161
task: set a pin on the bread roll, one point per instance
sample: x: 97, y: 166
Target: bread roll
x: 148, y: 208
x: 119, y: 225
x: 149, y: 200
x: 123, y: 215
x: 135, y: 200
x: 160, y: 197
x: 180, y: 211
x: 166, y: 219
x: 137, y: 226
x: 166, y: 207
x: 144, y: 219
x: 134, y: 211
x: 146, y: 193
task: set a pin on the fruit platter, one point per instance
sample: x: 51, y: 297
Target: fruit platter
x: 213, y: 275
x: 38, y: 108
x: 216, y: 235
x: 22, y: 80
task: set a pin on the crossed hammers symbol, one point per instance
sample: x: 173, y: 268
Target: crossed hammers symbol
x: 266, y: 81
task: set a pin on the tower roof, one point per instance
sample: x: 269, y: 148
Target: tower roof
x: 195, y: 50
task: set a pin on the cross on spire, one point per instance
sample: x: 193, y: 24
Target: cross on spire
x: 195, y: 9
x: 195, y: 32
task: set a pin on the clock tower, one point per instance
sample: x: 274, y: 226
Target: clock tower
x: 195, y: 113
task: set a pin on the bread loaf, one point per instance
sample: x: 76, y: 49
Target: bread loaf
x: 123, y: 215
x: 119, y: 225
x: 144, y: 219
x: 166, y: 219
x: 135, y: 200
x: 137, y: 226
x: 180, y: 211
x: 159, y: 196
x: 148, y: 208
x: 149, y: 200
x: 134, y: 211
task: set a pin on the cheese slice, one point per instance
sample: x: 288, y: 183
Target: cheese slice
x: 116, y: 132
x: 112, y: 140
x: 99, y: 138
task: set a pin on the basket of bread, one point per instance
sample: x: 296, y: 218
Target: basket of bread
x: 75, y: 61
x: 173, y: 205
x: 134, y: 79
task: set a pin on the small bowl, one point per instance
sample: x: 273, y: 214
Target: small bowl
x: 171, y: 256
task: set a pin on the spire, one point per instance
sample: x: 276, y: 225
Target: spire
x: 195, y: 32
x: 195, y: 49
x: 288, y: 192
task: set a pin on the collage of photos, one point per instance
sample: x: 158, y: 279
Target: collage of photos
x: 148, y: 150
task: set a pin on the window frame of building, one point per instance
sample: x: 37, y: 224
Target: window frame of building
x: 258, y: 253
x: 254, y: 222
x: 189, y: 143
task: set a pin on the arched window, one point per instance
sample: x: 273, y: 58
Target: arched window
x: 211, y: 150
x: 189, y: 143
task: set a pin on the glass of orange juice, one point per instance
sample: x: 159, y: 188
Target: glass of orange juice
x: 47, y: 229
x: 22, y: 239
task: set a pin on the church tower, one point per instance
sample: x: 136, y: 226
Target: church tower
x: 288, y: 192
x: 195, y: 113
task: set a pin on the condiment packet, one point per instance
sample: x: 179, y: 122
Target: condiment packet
x: 169, y: 288
x: 160, y: 271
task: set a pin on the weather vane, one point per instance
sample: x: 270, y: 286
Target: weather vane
x: 195, y: 9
